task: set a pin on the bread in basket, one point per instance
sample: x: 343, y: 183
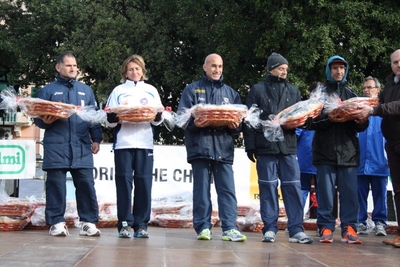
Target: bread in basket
x: 36, y: 107
x: 220, y: 115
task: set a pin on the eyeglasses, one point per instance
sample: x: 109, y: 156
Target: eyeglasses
x: 369, y: 87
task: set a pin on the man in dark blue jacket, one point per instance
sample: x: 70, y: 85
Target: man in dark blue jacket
x: 68, y: 147
x: 276, y: 160
x: 210, y: 151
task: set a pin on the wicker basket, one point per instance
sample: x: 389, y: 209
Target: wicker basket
x: 173, y: 221
x: 8, y: 223
x: 135, y: 113
x: 107, y: 223
x: 16, y: 208
x: 34, y: 107
x: 297, y: 114
x: 345, y: 111
x: 220, y: 116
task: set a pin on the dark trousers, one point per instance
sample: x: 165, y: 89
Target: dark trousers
x: 133, y: 165
x: 345, y: 178
x: 203, y: 172
x: 393, y: 155
x: 85, y: 194
x: 270, y: 168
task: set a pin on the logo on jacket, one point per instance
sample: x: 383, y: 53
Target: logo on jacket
x: 144, y: 101
x: 226, y: 101
x: 58, y: 93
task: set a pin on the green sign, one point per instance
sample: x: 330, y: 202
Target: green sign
x: 12, y: 159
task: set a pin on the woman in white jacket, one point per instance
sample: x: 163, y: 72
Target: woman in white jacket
x: 133, y: 149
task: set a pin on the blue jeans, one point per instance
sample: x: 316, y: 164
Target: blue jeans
x: 270, y: 168
x: 345, y: 178
x: 203, y: 172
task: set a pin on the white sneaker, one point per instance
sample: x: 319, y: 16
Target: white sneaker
x: 59, y: 229
x: 89, y: 229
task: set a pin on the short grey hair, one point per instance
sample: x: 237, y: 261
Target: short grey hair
x: 376, y: 81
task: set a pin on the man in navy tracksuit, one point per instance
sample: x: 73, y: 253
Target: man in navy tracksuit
x: 276, y: 160
x: 68, y: 147
x: 210, y: 151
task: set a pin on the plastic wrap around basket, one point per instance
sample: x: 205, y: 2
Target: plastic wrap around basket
x: 346, y: 109
x: 219, y: 116
x: 35, y: 107
x: 135, y: 113
x: 297, y: 114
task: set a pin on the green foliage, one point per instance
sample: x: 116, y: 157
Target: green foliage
x: 174, y: 37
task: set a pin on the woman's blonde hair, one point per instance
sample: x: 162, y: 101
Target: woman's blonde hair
x: 138, y: 60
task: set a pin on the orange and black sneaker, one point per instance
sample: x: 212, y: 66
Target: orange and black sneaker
x: 326, y: 236
x: 350, y: 236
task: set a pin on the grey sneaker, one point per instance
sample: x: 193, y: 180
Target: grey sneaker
x: 206, y: 234
x: 301, y: 238
x: 59, y: 229
x: 269, y: 236
x: 141, y: 233
x: 125, y: 231
x: 380, y: 229
x: 362, y: 229
x: 89, y: 229
x: 233, y: 235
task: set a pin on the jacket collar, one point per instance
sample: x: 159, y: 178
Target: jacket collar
x: 65, y: 81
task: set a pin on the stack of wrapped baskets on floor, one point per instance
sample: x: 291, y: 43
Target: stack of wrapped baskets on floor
x: 107, y: 215
x: 176, y: 216
x: 14, y: 214
x: 249, y: 218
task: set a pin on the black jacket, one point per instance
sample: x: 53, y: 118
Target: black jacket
x: 389, y: 109
x: 336, y: 143
x: 271, y: 100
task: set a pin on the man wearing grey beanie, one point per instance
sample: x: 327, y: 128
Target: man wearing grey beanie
x: 275, y: 60
x: 276, y: 160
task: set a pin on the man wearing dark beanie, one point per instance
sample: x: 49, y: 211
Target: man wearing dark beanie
x: 276, y: 160
x: 275, y: 60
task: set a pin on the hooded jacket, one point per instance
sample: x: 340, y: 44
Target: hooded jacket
x: 336, y: 143
x: 68, y: 143
x: 271, y: 96
x: 208, y: 142
x: 389, y: 109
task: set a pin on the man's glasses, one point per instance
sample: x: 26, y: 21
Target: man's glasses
x: 369, y: 87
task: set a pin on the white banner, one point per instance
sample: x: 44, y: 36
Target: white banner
x: 172, y: 175
x: 17, y: 159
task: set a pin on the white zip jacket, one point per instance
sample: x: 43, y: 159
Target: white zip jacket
x: 134, y: 134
